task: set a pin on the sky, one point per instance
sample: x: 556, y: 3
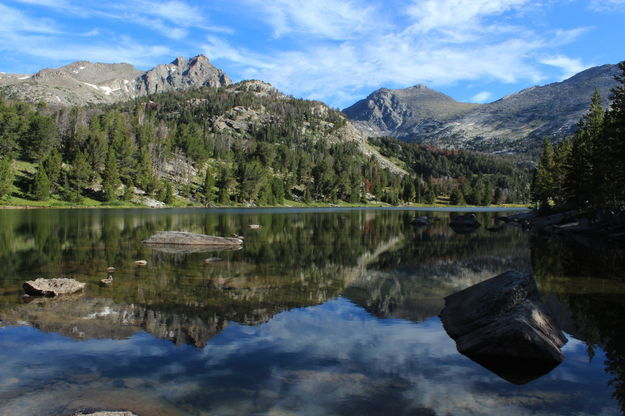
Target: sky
x: 336, y: 51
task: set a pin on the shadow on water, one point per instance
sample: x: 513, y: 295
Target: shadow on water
x: 583, y: 281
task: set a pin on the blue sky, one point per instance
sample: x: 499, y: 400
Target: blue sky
x: 337, y: 51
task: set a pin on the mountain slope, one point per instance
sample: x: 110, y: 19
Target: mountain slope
x: 83, y: 82
x: 396, y: 112
x: 514, y: 123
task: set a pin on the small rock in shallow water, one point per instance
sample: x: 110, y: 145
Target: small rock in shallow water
x: 213, y: 260
x: 110, y: 269
x: 141, y: 262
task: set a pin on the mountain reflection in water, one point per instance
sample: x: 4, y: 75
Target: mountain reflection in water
x: 319, y: 313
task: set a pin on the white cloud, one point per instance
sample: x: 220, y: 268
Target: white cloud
x: 334, y: 19
x: 334, y: 55
x: 457, y: 14
x: 569, y: 66
x: 607, y: 5
x: 482, y: 97
x: 14, y: 21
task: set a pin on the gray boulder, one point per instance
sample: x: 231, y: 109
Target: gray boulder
x: 52, y: 287
x: 502, y: 324
x: 191, y: 239
x: 464, y: 221
x: 419, y: 221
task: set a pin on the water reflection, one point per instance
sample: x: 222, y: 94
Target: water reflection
x: 583, y: 278
x: 319, y: 313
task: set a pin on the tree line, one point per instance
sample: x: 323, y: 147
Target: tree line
x: 222, y: 146
x: 587, y: 170
x: 466, y: 177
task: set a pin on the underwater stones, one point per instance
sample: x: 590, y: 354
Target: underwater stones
x: 52, y: 287
x: 191, y: 239
x: 502, y: 324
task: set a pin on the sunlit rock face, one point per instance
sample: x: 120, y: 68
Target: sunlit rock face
x: 502, y: 324
x: 84, y: 82
x: 513, y: 123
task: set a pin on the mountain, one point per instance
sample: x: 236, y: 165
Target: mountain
x: 397, y: 112
x: 512, y: 124
x: 83, y: 82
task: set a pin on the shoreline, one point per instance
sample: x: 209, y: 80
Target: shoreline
x: 436, y: 207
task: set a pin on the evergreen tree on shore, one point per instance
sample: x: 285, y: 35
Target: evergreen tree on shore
x: 588, y: 170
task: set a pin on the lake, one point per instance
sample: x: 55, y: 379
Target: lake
x: 322, y: 312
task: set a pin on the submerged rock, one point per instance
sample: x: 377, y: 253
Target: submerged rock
x: 52, y: 287
x: 466, y: 220
x: 502, y: 325
x: 192, y: 239
x: 213, y: 260
x: 418, y: 221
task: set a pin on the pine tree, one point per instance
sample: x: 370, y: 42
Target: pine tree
x: 224, y: 184
x: 585, y: 165
x: 543, y: 181
x: 277, y: 188
x: 169, y: 193
x: 499, y: 196
x: 110, y: 181
x: 456, y: 197
x: 6, y: 176
x: 41, y: 184
x: 614, y: 141
x: 53, y: 164
x: 207, y: 188
x: 307, y: 195
x: 79, y: 174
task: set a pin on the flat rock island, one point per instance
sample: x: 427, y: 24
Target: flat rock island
x: 192, y: 239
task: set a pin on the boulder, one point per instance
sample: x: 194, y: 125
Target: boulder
x: 255, y: 226
x: 213, y: 260
x: 419, y: 221
x: 52, y: 287
x: 466, y: 220
x: 106, y: 413
x: 502, y: 325
x: 180, y: 238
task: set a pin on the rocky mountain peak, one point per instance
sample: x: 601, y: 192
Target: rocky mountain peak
x: 83, y: 82
x: 181, y: 74
x: 513, y: 123
x: 387, y: 111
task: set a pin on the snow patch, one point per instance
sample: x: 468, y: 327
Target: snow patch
x: 58, y: 98
x: 91, y: 85
x: 108, y: 90
x: 24, y: 77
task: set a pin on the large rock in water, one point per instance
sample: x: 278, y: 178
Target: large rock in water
x: 502, y: 325
x: 52, y: 287
x: 184, y: 238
